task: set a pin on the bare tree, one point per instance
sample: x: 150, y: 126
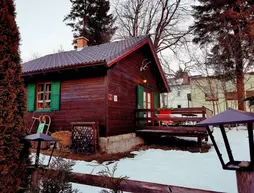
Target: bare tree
x: 163, y: 19
x: 219, y: 90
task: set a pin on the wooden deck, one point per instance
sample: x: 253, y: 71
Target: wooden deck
x: 168, y: 130
x: 184, y: 124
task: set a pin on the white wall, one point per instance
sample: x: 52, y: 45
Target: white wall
x: 172, y: 99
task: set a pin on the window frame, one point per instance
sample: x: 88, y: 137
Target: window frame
x: 209, y: 97
x: 178, y: 93
x: 249, y: 93
x: 232, y: 95
x: 44, y: 100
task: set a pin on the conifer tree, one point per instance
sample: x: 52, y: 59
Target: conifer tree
x: 13, y: 153
x: 228, y: 26
x: 90, y: 18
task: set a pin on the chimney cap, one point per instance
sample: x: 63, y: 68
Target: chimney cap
x: 82, y: 37
x: 81, y: 42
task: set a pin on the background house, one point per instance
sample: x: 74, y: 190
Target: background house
x: 210, y: 91
x: 180, y: 95
x: 217, y: 94
x: 103, y: 83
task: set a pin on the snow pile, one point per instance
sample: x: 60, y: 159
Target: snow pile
x: 181, y: 168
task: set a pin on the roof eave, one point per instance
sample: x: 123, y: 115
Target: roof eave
x: 69, y: 67
x: 110, y: 63
x: 159, y: 66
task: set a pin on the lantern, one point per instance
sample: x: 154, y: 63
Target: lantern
x: 244, y: 169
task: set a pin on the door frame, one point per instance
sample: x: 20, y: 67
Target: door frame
x: 151, y: 92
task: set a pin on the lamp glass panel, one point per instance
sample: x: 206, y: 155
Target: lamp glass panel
x: 216, y: 132
x: 239, y: 142
x: 237, y: 136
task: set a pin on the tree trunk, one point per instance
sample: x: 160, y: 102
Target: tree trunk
x: 239, y: 71
x: 240, y: 90
x: 245, y: 182
x: 214, y: 110
x: 226, y: 102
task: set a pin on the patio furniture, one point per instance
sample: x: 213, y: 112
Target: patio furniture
x: 164, y: 122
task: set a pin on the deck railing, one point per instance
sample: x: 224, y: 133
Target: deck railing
x: 179, y: 116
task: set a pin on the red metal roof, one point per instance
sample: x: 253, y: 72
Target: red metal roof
x: 104, y: 53
x: 107, y: 54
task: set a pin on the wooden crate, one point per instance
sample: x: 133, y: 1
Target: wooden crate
x: 84, y: 137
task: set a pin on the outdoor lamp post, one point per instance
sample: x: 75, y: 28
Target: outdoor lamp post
x: 39, y: 137
x: 244, y: 169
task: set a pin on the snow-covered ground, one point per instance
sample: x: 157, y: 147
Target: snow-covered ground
x: 181, y: 168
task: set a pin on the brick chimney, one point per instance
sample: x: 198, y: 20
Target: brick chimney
x: 81, y: 43
x: 186, y: 78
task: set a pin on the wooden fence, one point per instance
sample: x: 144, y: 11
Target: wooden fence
x: 127, y: 185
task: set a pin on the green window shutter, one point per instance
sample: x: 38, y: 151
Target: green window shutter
x: 55, y: 96
x: 30, y: 97
x: 140, y: 95
x: 156, y: 100
x: 140, y: 102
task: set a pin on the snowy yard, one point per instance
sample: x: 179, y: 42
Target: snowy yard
x: 181, y: 168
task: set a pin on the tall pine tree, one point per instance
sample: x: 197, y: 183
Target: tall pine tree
x: 227, y: 25
x: 13, y: 153
x: 90, y: 18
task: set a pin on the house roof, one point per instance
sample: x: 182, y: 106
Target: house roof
x: 104, y: 53
x: 175, y: 81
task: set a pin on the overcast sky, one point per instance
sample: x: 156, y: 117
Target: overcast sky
x: 42, y: 29
x: 41, y: 26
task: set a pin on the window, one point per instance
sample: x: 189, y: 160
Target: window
x: 44, y: 96
x: 43, y: 93
x: 231, y: 96
x: 178, y: 93
x: 211, y: 97
x: 147, y: 102
x: 249, y: 93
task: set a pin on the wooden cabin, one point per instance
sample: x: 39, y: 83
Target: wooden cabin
x: 103, y: 83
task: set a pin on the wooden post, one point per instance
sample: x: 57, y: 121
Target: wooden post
x: 37, y: 158
x: 199, y: 142
x: 245, y: 181
x: 203, y: 111
x: 35, y: 178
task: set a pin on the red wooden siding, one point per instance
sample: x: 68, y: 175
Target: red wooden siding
x: 85, y: 93
x: 81, y: 99
x: 123, y: 79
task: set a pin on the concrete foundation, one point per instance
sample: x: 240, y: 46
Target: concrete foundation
x: 119, y: 143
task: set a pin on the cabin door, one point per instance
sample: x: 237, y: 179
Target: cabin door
x: 148, y: 104
x: 146, y: 99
